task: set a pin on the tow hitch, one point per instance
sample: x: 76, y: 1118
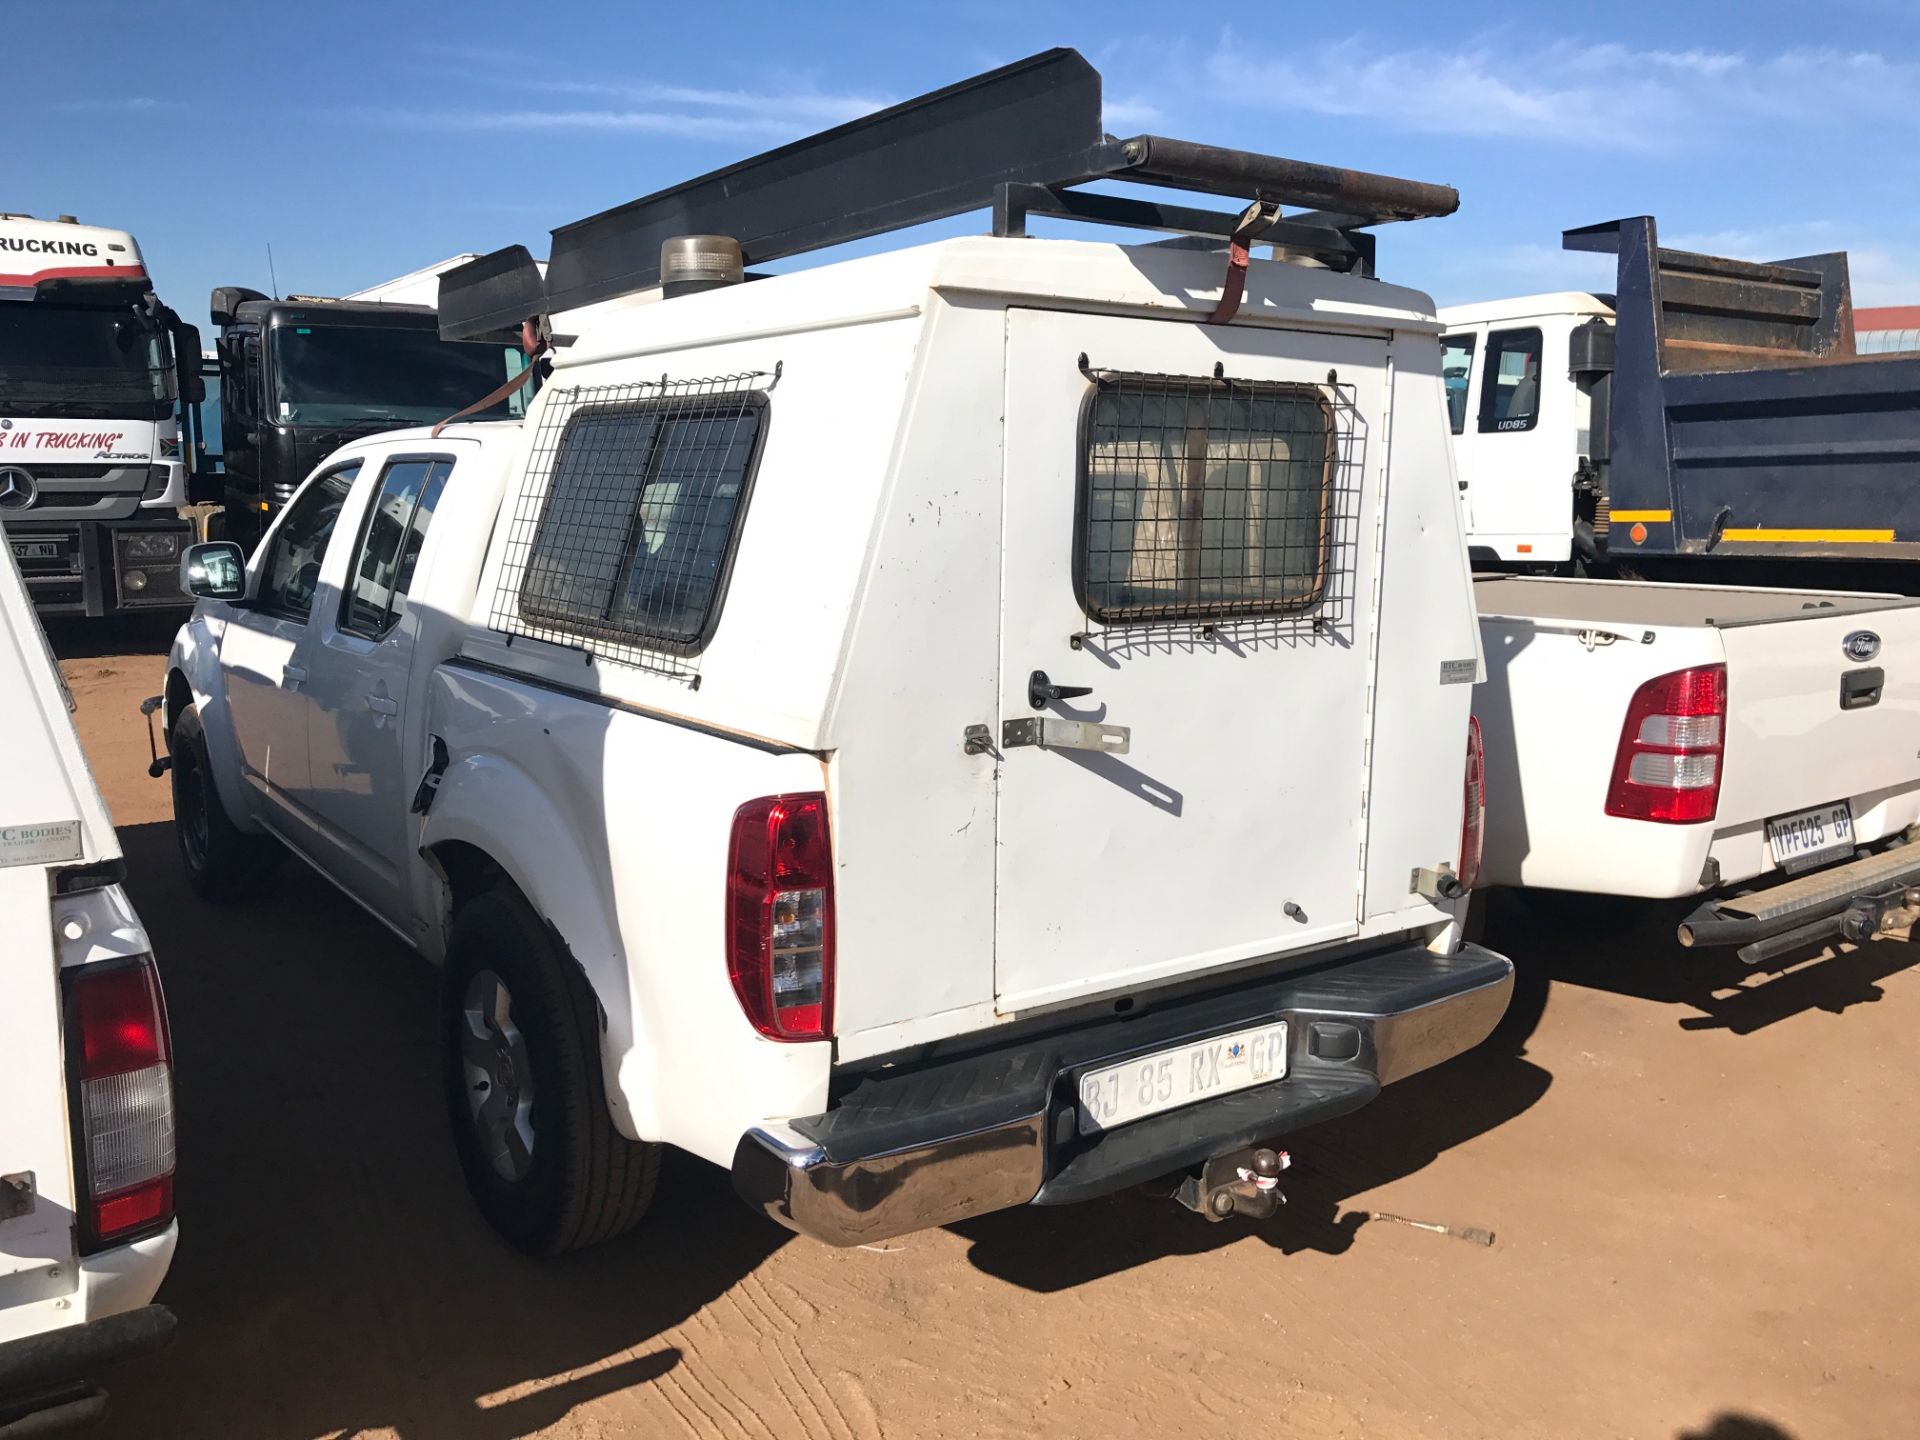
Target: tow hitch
x: 1244, y: 1182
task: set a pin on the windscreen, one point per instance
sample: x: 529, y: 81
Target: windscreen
x: 82, y: 361
x: 338, y: 375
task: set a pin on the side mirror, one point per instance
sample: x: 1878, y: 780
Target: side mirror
x: 216, y: 570
x: 226, y: 300
x: 186, y: 364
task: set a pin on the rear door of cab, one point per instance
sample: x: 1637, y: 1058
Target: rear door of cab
x: 359, y: 663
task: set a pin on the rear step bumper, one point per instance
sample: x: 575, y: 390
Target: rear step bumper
x: 1842, y: 902
x: 46, y: 1379
x: 909, y: 1149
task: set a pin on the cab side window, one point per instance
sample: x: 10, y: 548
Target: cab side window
x: 1456, y: 371
x: 292, y: 571
x: 390, y: 541
x: 1510, y: 381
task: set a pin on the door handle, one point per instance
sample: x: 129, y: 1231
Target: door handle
x: 293, y: 674
x: 1861, y: 688
x: 381, y: 705
x: 1042, y: 692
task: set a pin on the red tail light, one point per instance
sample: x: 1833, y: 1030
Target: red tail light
x: 1668, y: 766
x: 122, y: 1059
x: 780, y: 916
x: 1473, y: 819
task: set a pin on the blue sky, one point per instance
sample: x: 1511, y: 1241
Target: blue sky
x: 362, y: 140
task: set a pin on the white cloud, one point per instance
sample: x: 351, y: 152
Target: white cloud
x: 127, y: 103
x: 781, y: 108
x: 1126, y: 113
x: 1601, y: 96
x: 682, y: 125
x: 812, y: 106
x: 1884, y: 275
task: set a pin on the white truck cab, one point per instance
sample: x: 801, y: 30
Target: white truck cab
x: 92, y: 365
x: 975, y: 725
x: 86, y: 1131
x: 1521, y: 423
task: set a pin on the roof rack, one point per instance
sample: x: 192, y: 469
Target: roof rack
x: 1019, y: 140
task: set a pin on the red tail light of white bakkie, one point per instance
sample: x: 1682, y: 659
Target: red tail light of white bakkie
x: 1473, y: 818
x: 122, y: 1066
x: 1668, y: 766
x: 780, y: 916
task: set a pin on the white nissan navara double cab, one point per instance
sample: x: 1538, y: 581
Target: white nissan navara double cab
x: 931, y: 733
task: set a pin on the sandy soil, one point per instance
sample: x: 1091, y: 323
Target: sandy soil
x: 1703, y: 1186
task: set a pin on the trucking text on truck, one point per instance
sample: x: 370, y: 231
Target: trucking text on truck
x: 302, y: 376
x: 91, y: 474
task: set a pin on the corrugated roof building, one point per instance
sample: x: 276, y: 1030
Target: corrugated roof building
x: 1880, y: 329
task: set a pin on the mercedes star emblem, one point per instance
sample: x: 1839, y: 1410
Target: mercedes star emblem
x: 17, y: 490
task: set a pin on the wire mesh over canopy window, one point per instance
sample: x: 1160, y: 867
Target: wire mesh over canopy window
x: 1205, y: 499
x: 625, y: 530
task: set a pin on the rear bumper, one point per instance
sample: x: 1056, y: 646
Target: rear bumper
x: 1847, y: 901
x: 914, y: 1148
x: 45, y: 1380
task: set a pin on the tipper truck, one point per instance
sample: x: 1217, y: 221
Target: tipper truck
x: 1710, y: 421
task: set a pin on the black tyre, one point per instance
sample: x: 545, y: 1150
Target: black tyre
x: 520, y: 1053
x: 222, y: 861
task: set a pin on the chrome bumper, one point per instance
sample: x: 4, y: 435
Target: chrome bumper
x: 907, y: 1150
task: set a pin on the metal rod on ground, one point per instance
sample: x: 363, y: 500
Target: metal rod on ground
x: 1459, y: 1232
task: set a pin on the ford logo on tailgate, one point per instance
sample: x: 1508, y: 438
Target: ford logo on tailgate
x: 1861, y: 645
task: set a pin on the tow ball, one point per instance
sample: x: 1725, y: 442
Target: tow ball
x: 1244, y: 1182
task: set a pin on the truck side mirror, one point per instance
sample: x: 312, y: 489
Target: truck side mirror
x: 216, y: 570
x: 186, y: 364
x: 227, y: 299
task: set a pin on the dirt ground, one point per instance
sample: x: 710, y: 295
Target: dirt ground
x: 1705, y: 1188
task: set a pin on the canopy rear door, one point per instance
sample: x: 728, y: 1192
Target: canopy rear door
x: 1196, y: 550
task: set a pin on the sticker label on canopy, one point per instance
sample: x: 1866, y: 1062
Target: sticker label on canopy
x: 41, y: 844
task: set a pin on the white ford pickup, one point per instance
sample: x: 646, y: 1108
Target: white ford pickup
x: 86, y: 1065
x: 931, y: 733
x: 1671, y: 740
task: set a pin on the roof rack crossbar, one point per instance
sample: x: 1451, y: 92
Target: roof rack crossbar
x: 1367, y: 199
x: 1340, y: 247
x: 1034, y: 123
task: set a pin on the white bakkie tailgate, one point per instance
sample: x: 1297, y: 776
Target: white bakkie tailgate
x: 1812, y: 719
x: 1823, y: 704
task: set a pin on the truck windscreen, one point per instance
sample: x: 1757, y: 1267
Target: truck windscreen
x: 75, y: 360
x: 334, y: 375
